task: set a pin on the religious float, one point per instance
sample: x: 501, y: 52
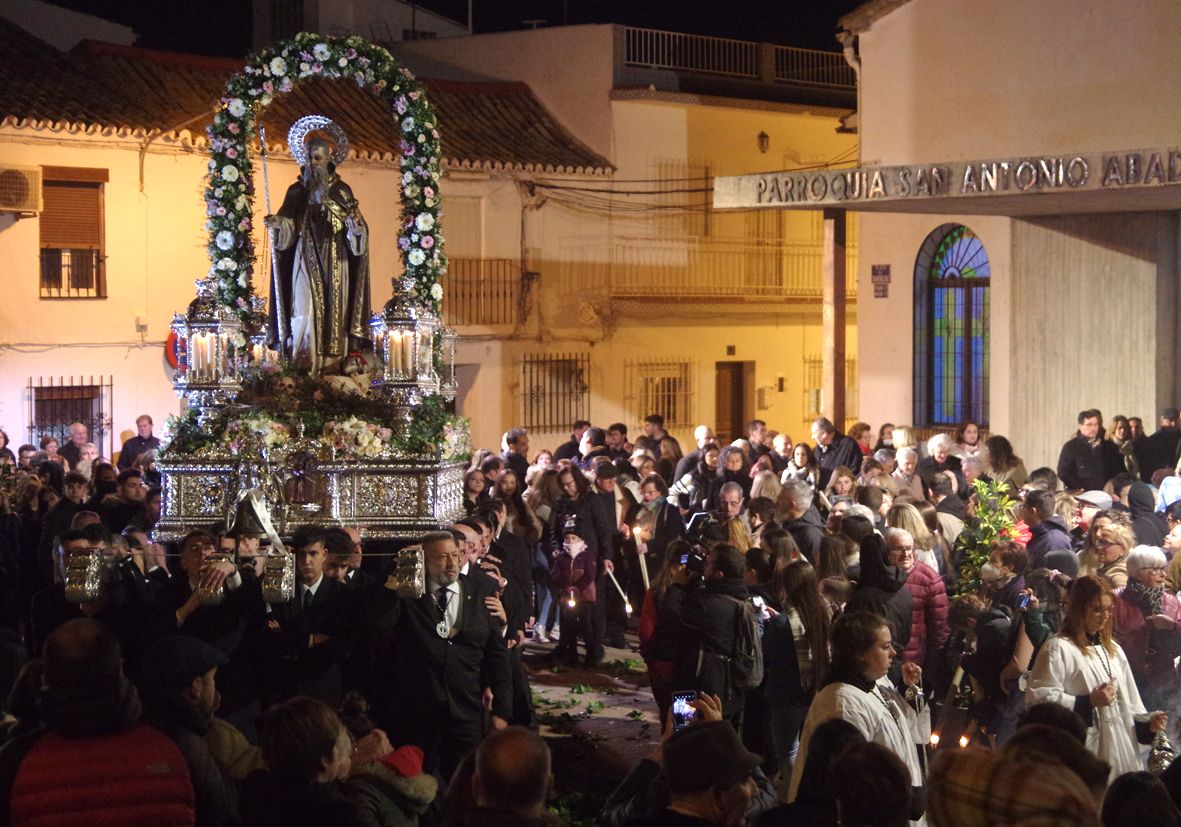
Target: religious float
x: 318, y: 411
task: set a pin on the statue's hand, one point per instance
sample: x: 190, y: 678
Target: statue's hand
x: 350, y: 224
x: 272, y: 222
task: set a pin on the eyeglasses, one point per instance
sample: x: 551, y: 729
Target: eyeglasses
x: 1155, y: 569
x: 1108, y: 543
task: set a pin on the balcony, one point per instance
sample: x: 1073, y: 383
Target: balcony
x: 698, y: 64
x: 72, y: 273
x: 483, y: 292
x: 705, y: 269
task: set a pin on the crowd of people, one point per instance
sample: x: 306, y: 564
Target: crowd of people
x: 808, y: 611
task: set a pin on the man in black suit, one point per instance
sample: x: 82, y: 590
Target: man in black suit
x: 513, y: 561
x: 308, y: 637
x: 443, y: 649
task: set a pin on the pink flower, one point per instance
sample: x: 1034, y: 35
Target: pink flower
x: 231, y: 152
x: 428, y: 242
x: 234, y: 128
x: 220, y: 211
x: 428, y: 192
x: 268, y: 87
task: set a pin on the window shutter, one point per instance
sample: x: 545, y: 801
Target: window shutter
x: 72, y: 215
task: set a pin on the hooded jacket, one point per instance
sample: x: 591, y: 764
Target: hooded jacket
x: 1148, y: 526
x: 880, y: 590
x: 1047, y: 536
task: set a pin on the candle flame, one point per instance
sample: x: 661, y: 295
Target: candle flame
x: 627, y: 607
x: 934, y: 739
x: 964, y: 739
x: 570, y: 602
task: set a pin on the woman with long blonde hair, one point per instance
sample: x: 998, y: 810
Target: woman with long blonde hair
x: 1084, y: 669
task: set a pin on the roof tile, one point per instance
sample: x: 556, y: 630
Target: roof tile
x: 100, y: 85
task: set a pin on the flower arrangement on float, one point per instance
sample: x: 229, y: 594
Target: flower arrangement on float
x: 229, y: 191
x: 356, y: 437
x: 274, y: 409
x: 250, y: 433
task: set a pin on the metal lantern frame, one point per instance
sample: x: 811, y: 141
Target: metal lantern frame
x: 208, y: 372
x: 448, y: 383
x: 404, y: 343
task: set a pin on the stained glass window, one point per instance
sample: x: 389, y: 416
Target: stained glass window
x: 951, y: 281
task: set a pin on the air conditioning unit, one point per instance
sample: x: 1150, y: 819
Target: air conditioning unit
x: 20, y: 189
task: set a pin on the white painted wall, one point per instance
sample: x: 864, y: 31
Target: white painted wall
x: 946, y: 80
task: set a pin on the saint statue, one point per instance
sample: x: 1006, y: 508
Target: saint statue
x: 320, y: 281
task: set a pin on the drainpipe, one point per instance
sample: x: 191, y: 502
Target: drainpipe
x: 848, y: 42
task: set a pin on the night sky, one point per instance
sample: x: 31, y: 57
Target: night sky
x: 222, y: 27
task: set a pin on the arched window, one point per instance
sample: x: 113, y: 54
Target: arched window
x: 951, y: 280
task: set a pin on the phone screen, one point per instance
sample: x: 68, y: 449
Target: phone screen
x: 684, y: 559
x: 1023, y: 602
x: 683, y: 714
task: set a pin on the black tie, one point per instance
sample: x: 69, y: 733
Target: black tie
x: 307, y: 600
x: 441, y: 597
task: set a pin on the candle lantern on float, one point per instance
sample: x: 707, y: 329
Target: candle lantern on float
x: 257, y: 353
x: 404, y: 342
x: 209, y: 335
x: 448, y: 384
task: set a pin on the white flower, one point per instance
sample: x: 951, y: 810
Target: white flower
x: 416, y: 257
x: 242, y: 281
x: 227, y: 264
x: 265, y: 100
x: 424, y: 221
x: 321, y: 52
x: 240, y: 202
x: 436, y: 291
x: 224, y: 240
x: 305, y: 68
x: 278, y: 66
x: 343, y: 62
x: 229, y: 172
x: 408, y: 125
x: 407, y: 177
x: 237, y: 107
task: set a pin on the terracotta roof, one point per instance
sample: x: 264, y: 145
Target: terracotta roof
x: 104, y: 87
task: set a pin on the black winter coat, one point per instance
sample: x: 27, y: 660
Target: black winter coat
x: 882, y: 590
x: 1084, y: 467
x: 707, y: 616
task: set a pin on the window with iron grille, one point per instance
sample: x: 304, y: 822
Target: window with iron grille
x: 71, y: 230
x: 814, y: 384
x: 665, y: 387
x: 555, y: 390
x: 686, y: 198
x: 56, y: 402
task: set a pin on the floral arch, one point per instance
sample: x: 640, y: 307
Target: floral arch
x: 229, y: 192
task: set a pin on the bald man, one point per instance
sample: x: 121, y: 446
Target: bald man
x: 513, y: 777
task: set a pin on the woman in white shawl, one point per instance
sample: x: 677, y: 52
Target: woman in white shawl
x: 1084, y: 669
x: 858, y: 692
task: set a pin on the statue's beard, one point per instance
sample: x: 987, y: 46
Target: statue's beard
x: 315, y: 177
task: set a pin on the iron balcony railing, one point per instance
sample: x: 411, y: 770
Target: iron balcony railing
x: 718, y: 268
x: 813, y: 67
x: 481, y: 291
x: 72, y: 273
x: 721, y: 56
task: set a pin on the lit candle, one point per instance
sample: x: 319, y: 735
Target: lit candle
x: 408, y: 354
x: 964, y: 741
x: 934, y: 739
x: 395, y: 352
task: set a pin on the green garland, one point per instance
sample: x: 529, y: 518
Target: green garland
x: 993, y: 521
x: 229, y: 193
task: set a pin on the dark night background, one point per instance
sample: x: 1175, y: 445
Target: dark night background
x: 222, y: 27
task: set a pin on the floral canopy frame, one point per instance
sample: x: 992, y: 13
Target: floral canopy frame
x: 229, y: 191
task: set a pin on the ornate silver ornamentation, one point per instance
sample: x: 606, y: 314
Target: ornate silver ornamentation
x: 298, y: 135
